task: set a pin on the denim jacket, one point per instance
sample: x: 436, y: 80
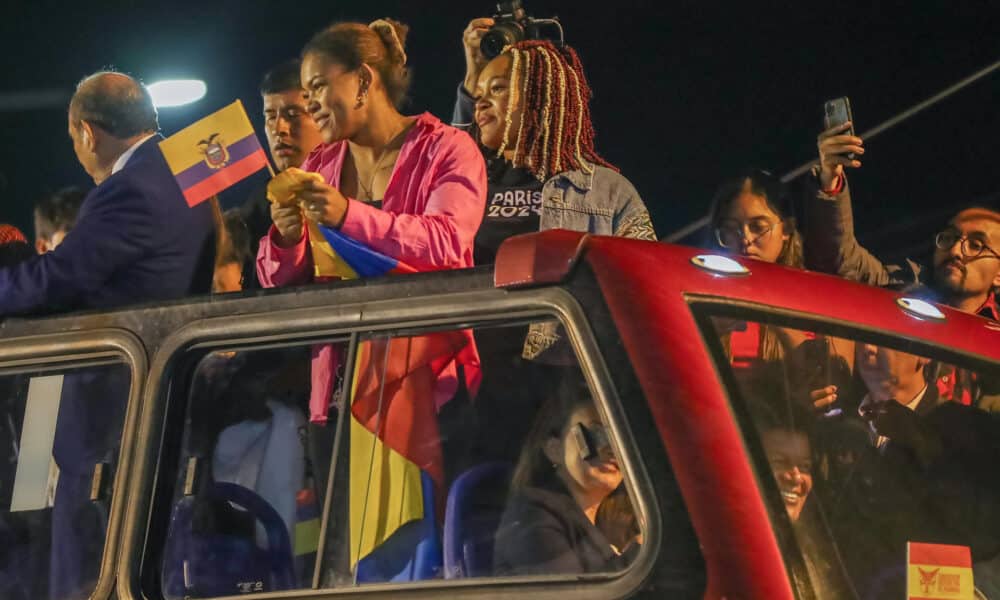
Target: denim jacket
x: 602, y: 202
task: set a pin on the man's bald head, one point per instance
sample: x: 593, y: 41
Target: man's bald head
x: 116, y: 103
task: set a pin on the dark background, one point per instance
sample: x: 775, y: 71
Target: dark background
x: 685, y: 93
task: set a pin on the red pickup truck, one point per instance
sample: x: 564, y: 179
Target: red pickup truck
x: 173, y: 451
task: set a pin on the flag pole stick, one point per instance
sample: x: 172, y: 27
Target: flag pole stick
x: 221, y: 235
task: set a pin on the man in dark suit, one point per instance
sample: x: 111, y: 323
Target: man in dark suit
x: 926, y: 474
x: 135, y: 240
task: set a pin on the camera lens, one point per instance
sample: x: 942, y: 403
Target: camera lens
x: 498, y: 37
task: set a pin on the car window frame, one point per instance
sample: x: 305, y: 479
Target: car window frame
x: 63, y: 351
x: 450, y: 309
x: 706, y: 307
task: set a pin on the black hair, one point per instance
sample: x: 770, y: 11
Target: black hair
x: 58, y: 211
x: 533, y: 468
x: 354, y: 44
x: 12, y: 253
x: 237, y: 250
x: 284, y: 77
x: 775, y: 193
x: 116, y: 103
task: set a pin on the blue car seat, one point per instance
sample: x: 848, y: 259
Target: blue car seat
x: 411, y: 553
x: 475, y: 504
x: 214, y: 563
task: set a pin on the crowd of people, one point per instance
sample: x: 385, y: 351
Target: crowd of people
x: 518, y: 157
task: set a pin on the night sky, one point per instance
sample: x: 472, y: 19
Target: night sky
x: 685, y: 93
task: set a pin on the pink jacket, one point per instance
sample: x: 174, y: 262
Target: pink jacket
x: 431, y: 211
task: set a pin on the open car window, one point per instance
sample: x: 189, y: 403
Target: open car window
x: 879, y: 455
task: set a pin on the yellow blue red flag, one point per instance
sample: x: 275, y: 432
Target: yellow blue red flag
x: 395, y: 443
x: 334, y: 254
x: 212, y: 154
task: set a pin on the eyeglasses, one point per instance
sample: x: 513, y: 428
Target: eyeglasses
x: 971, y: 247
x: 755, y: 231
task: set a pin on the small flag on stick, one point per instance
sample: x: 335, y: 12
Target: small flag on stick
x: 938, y: 572
x: 214, y: 153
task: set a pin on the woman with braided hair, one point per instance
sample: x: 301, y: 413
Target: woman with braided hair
x: 532, y: 120
x: 532, y: 116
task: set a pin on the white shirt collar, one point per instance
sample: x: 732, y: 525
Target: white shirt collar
x: 120, y: 163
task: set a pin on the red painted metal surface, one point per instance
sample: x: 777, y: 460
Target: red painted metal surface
x: 535, y: 259
x: 645, y: 285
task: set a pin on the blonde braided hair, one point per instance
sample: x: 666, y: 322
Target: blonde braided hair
x: 555, y: 133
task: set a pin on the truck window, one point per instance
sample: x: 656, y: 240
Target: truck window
x: 60, y: 436
x: 875, y: 452
x: 442, y: 454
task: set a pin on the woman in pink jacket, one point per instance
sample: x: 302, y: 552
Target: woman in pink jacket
x: 409, y: 187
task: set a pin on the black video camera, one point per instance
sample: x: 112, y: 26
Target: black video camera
x: 512, y: 24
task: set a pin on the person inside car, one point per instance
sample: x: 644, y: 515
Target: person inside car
x: 926, y: 474
x: 566, y: 471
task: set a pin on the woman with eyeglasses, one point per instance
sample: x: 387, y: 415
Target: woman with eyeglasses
x: 751, y: 216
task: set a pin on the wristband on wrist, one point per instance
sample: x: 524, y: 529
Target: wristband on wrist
x: 837, y: 187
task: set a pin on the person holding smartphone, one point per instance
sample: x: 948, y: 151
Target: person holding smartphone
x: 966, y: 266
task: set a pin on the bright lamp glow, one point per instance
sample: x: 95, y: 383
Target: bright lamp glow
x: 176, y: 92
x: 920, y: 309
x: 720, y: 265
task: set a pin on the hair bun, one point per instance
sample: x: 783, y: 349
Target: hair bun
x: 393, y: 34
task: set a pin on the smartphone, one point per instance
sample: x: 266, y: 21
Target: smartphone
x: 837, y: 112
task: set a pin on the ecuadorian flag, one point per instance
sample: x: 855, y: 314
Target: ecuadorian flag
x: 214, y: 153
x: 336, y: 255
x: 396, y: 465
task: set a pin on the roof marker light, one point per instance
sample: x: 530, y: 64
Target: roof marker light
x: 719, y: 265
x: 920, y: 309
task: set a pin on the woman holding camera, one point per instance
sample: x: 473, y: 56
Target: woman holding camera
x: 531, y: 115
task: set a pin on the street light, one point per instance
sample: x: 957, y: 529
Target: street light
x: 176, y: 92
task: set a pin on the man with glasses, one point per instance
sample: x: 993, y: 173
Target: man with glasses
x: 964, y: 274
x: 966, y: 264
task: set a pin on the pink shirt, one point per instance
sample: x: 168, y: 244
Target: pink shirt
x: 431, y: 211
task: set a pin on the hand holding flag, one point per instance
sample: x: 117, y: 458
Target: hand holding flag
x: 334, y: 254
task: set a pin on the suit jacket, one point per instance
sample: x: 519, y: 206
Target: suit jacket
x: 936, y: 485
x: 135, y: 240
